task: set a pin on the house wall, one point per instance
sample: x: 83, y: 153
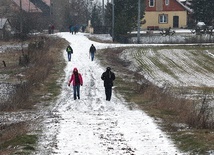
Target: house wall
x: 5, y: 31
x: 1, y: 34
x: 152, y: 19
x: 172, y: 9
x: 4, y: 34
x: 32, y: 20
x: 160, y: 6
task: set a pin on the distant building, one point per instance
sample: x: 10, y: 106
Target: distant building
x: 27, y: 6
x: 35, y: 14
x: 5, y: 29
x: 48, y: 2
x: 166, y: 13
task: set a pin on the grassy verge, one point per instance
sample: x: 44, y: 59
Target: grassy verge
x: 38, y: 86
x: 179, y: 117
x: 25, y: 144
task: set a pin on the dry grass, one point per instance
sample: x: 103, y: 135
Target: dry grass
x: 35, y: 71
x: 8, y: 132
x: 40, y: 74
x: 179, y: 116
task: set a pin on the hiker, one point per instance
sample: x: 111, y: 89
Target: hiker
x: 76, y: 29
x: 52, y: 29
x: 108, y: 77
x: 76, y: 78
x: 83, y: 29
x: 49, y: 29
x: 69, y: 50
x: 72, y: 29
x: 92, y: 51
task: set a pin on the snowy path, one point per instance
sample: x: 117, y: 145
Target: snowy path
x: 93, y: 126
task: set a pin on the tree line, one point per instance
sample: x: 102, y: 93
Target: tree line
x: 77, y: 12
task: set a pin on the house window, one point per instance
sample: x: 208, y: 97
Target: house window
x: 151, y: 3
x: 166, y: 2
x: 163, y: 18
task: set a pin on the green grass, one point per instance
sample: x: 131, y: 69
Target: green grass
x: 54, y: 88
x: 8, y: 72
x: 196, y: 59
x: 198, y: 141
x: 165, y: 68
x: 139, y: 55
x: 28, y: 141
x: 205, y: 61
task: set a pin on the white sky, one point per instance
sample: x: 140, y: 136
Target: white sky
x: 92, y: 125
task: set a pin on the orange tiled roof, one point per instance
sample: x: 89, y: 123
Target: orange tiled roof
x: 27, y: 6
x: 48, y: 2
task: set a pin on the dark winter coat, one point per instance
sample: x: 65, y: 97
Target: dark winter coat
x: 92, y: 49
x: 108, y: 77
x: 69, y: 49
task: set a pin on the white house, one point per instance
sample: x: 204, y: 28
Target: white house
x: 5, y: 28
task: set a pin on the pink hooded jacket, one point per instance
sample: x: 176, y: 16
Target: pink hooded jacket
x: 73, y: 78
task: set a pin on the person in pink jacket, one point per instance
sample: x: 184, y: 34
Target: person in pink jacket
x: 76, y: 78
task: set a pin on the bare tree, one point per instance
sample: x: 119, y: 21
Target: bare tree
x: 68, y: 12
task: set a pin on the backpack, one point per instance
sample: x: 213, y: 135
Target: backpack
x: 69, y: 49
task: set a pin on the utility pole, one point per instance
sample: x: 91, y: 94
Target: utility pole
x: 112, y: 1
x: 138, y: 23
x: 21, y: 17
x: 87, y: 18
x: 103, y: 13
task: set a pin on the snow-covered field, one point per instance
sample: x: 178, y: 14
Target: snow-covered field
x: 177, y: 67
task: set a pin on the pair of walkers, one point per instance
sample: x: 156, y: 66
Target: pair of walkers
x: 92, y: 51
x: 76, y: 79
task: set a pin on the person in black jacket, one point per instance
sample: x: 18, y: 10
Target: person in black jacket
x: 108, y: 77
x: 92, y: 51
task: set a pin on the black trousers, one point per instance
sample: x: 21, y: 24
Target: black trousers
x: 108, y: 92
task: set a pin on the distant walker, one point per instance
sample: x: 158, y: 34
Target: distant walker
x: 92, y: 51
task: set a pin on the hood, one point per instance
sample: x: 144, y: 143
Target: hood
x: 108, y: 69
x: 75, y: 69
